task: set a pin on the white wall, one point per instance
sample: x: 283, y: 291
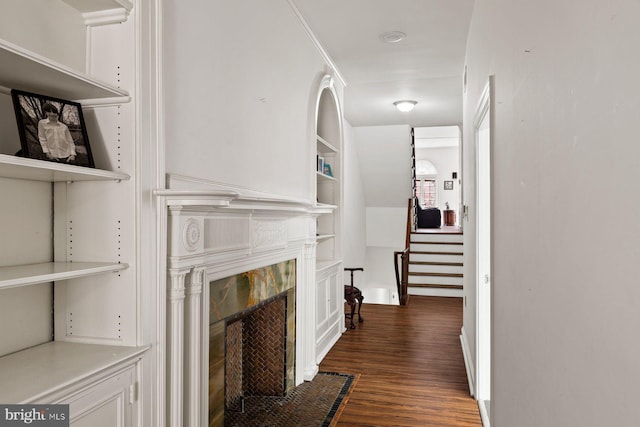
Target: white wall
x: 565, y: 151
x: 386, y: 230
x: 354, y: 237
x: 240, y: 94
x: 385, y: 163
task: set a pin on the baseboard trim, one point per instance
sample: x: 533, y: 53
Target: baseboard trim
x: 328, y: 340
x: 484, y: 414
x: 310, y: 373
x: 468, y: 362
x: 436, y: 292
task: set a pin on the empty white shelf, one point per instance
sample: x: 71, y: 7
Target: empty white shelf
x: 29, y: 71
x: 88, y: 6
x: 30, y: 274
x: 324, y: 236
x: 324, y: 146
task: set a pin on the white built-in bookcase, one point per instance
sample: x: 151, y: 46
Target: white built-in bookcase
x: 69, y: 293
x: 329, y: 286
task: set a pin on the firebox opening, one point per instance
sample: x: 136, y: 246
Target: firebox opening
x: 255, y: 361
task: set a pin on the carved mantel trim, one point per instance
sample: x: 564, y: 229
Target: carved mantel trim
x: 214, y: 232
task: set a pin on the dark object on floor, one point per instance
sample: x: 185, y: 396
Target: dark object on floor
x: 354, y: 297
x: 312, y: 403
x: 428, y: 218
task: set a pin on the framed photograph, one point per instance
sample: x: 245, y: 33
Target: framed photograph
x: 320, y: 160
x: 448, y: 185
x: 327, y: 169
x: 51, y: 129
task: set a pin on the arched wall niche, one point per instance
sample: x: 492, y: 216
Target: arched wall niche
x: 329, y: 307
x: 328, y: 115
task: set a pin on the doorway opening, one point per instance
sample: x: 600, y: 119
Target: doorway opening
x: 482, y: 130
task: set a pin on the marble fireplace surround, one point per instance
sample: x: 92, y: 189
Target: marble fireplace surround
x: 251, y: 337
x: 212, y: 232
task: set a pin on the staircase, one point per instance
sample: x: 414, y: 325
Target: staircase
x: 436, y: 263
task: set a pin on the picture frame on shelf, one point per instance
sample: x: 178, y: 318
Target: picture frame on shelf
x: 448, y: 185
x: 327, y: 170
x: 51, y: 129
x: 320, y: 165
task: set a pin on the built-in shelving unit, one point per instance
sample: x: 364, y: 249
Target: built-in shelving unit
x: 328, y: 180
x: 72, y: 232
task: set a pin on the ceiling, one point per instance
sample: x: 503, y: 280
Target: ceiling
x: 426, y: 66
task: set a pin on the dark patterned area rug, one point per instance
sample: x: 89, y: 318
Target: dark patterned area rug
x: 312, y: 403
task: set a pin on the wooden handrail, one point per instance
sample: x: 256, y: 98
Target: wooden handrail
x: 402, y: 277
x: 402, y: 270
x: 407, y: 237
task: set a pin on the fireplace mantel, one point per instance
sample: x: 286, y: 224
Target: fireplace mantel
x: 212, y: 231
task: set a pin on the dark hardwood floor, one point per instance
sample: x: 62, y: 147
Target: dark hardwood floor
x: 410, y: 364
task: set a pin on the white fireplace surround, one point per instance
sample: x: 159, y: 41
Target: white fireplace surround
x: 212, y: 231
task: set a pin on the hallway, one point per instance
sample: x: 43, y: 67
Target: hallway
x: 410, y: 364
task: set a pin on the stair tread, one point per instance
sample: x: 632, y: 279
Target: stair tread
x: 433, y: 285
x: 445, y: 233
x: 451, y: 264
x: 420, y: 242
x: 435, y: 253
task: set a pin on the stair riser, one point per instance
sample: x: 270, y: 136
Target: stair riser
x: 424, y: 247
x: 436, y: 292
x: 434, y: 258
x: 416, y: 268
x: 437, y: 280
x: 420, y: 237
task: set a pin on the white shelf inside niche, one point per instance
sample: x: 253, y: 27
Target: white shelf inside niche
x: 31, y: 72
x: 88, y: 6
x: 324, y: 146
x: 30, y: 274
x: 30, y: 375
x: 325, y: 207
x: 42, y: 170
x: 325, y: 177
x: 324, y: 236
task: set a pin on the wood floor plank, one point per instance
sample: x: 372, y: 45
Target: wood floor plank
x: 410, y: 364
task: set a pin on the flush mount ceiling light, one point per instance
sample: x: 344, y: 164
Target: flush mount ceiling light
x: 393, y: 36
x: 405, y: 106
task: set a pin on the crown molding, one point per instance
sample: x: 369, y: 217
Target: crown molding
x: 317, y: 44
